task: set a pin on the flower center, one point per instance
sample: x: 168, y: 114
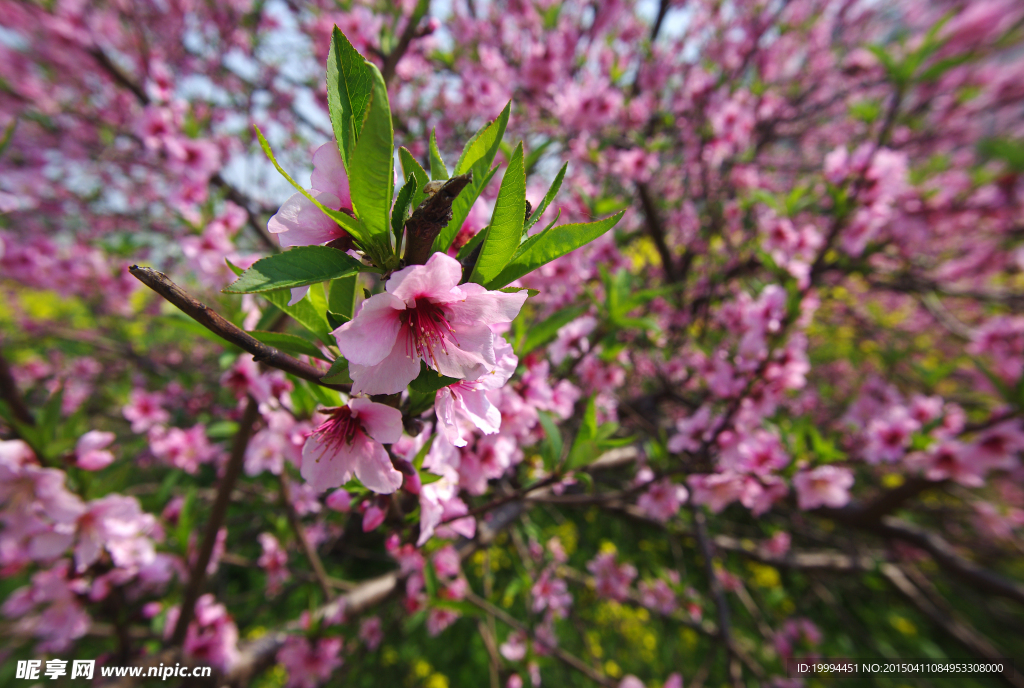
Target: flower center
x: 339, y: 428
x: 429, y: 328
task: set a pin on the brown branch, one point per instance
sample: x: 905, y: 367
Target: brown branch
x: 300, y: 534
x: 211, y: 320
x: 118, y: 76
x: 11, y: 396
x: 430, y: 218
x: 404, y: 41
x: 217, y: 515
x: 957, y: 629
x: 561, y: 655
x: 717, y: 592
x: 656, y: 229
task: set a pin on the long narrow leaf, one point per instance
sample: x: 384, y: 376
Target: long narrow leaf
x: 296, y: 267
x: 506, y: 226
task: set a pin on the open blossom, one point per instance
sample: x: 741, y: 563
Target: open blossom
x: 551, y: 593
x: 144, y: 410
x: 350, y: 441
x: 274, y: 561
x: 467, y: 399
x: 424, y: 314
x: 612, y: 580
x: 309, y: 663
x: 91, y: 450
x: 212, y: 636
x: 662, y: 500
x: 824, y: 486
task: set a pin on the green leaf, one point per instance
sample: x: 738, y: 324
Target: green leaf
x: 291, y: 343
x: 437, y: 168
x: 304, y: 313
x: 548, y: 197
x: 584, y: 446
x: 349, y: 84
x: 5, y: 140
x: 549, y: 245
x: 506, y: 226
x: 350, y: 224
x: 461, y: 208
x: 341, y: 296
x: 430, y: 579
x: 534, y: 157
x: 553, y: 440
x: 412, y: 166
x: 429, y: 381
x: 481, y: 149
x: 296, y: 267
x: 401, y: 209
x: 541, y: 334
x: 338, y: 374
x: 372, y: 168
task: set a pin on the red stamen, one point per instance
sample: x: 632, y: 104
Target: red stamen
x: 428, y: 328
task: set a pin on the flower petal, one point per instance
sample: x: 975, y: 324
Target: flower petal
x: 329, y: 174
x: 300, y: 223
x: 373, y: 466
x: 436, y: 280
x: 326, y: 465
x: 298, y: 293
x: 381, y: 422
x: 485, y: 307
x: 370, y: 336
x: 390, y: 376
x: 471, y: 358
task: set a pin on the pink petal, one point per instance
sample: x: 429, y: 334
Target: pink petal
x: 390, y: 376
x: 484, y: 414
x: 300, y: 223
x: 93, y: 440
x: 373, y: 466
x: 298, y: 293
x: 435, y: 280
x: 471, y: 358
x: 329, y: 174
x: 381, y: 422
x: 326, y: 465
x: 368, y: 338
x: 484, y: 307
x: 444, y: 406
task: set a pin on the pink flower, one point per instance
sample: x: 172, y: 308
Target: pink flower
x: 552, y: 593
x: 439, y: 619
x: 661, y: 501
x: 572, y: 339
x: 309, y: 664
x: 657, y: 595
x: 889, y: 436
x: 717, y: 490
x: 468, y: 400
x: 778, y: 544
x: 184, y: 449
x: 299, y: 222
x: 274, y: 561
x: 212, y: 636
x: 612, y: 580
x: 631, y: 681
x: 951, y: 460
x: 348, y: 442
x: 91, y: 450
x: 370, y: 632
x: 143, y: 410
x: 514, y: 647
x: 339, y: 500
x: 424, y: 314
x: 439, y: 501
x: 824, y: 486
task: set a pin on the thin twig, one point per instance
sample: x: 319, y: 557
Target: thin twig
x: 300, y: 535
x: 214, y: 322
x: 11, y: 396
x: 561, y: 655
x: 217, y: 515
x: 392, y: 59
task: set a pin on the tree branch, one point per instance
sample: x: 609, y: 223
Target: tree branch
x: 217, y: 514
x: 392, y: 59
x: 211, y: 320
x: 300, y: 534
x: 656, y: 230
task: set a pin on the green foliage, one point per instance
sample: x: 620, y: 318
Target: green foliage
x: 349, y: 89
x: 429, y: 381
x: 438, y: 171
x: 506, y: 225
x: 546, y: 331
x: 290, y: 343
x: 297, y: 267
x: 550, y: 244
